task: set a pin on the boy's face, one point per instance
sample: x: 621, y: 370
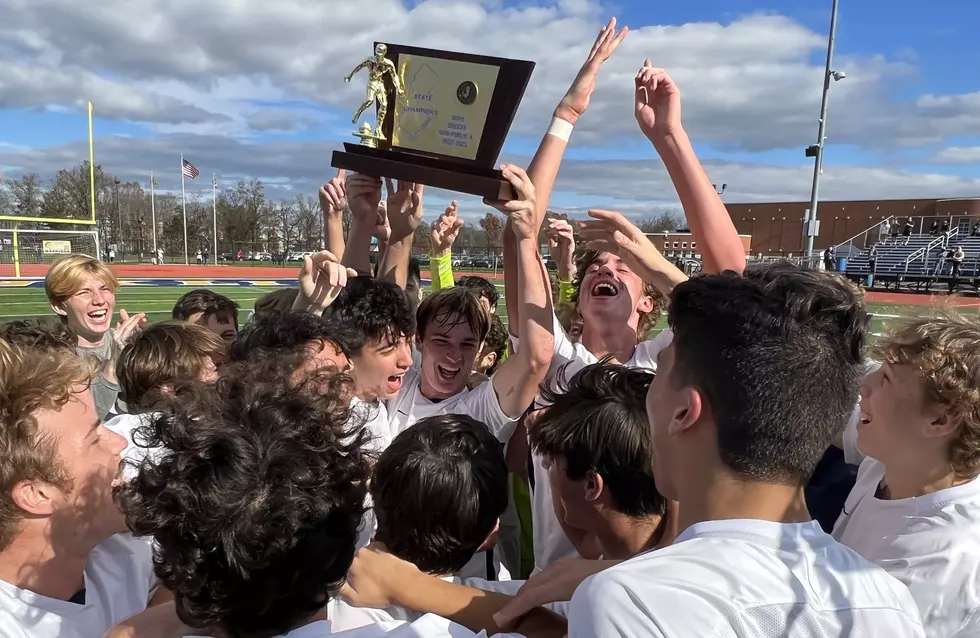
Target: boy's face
x: 896, y: 420
x: 449, y: 350
x: 88, y: 312
x: 380, y: 368
x: 221, y: 324
x: 611, y: 293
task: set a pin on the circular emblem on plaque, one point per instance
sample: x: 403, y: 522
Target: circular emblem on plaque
x: 466, y: 92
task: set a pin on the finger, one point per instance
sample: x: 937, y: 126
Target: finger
x: 351, y: 273
x: 334, y: 276
x: 603, y: 246
x: 342, y: 278
x: 599, y: 39
x: 517, y: 178
x: 341, y: 173
x: 612, y: 217
x: 389, y: 187
x: 419, y: 189
x: 457, y: 225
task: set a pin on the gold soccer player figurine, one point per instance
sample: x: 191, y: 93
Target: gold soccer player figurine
x: 377, y: 67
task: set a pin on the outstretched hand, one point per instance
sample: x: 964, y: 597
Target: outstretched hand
x: 521, y: 211
x: 127, y: 326
x: 576, y: 100
x: 375, y: 577
x: 404, y: 209
x: 445, y: 230
x: 609, y: 231
x: 320, y: 281
x: 658, y: 102
x: 333, y: 195
x: 363, y: 197
x: 561, y: 241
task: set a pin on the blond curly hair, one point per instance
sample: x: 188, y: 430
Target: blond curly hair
x: 944, y: 349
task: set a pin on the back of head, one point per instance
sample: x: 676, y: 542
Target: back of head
x: 379, y: 309
x: 207, y: 303
x: 943, y: 351
x: 255, y: 503
x: 68, y: 273
x: 598, y: 423
x: 290, y: 333
x: 164, y: 354
x: 281, y: 300
x: 32, y: 380
x: 42, y: 335
x: 482, y: 287
x: 777, y: 354
x: 439, y: 490
x: 453, y: 306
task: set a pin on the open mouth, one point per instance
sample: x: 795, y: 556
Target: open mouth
x: 395, y: 382
x: 864, y: 418
x: 98, y: 315
x: 447, y: 373
x: 604, y: 289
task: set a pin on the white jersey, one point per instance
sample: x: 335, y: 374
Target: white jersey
x: 480, y: 403
x: 931, y: 543
x: 745, y: 579
x: 429, y: 626
x: 119, y: 581
x: 550, y: 542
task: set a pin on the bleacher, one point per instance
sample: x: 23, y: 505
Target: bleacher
x: 919, y: 263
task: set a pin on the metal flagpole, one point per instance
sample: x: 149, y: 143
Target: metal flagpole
x: 153, y: 213
x: 214, y: 214
x: 183, y: 204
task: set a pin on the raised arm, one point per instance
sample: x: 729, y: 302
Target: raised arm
x: 404, y: 217
x: 357, y: 69
x: 363, y: 197
x: 544, y: 166
x: 516, y: 382
x: 333, y: 205
x: 658, y: 112
x: 443, y: 233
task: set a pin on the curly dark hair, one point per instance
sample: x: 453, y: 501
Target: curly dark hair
x: 648, y: 320
x: 379, y: 310
x: 289, y: 333
x: 255, y: 502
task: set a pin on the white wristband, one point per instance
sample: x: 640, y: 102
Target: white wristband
x: 562, y: 129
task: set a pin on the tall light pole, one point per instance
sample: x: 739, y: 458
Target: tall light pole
x: 816, y: 150
x: 720, y: 192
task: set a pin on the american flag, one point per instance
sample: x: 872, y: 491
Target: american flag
x: 190, y: 170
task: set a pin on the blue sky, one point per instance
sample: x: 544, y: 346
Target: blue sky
x: 254, y: 90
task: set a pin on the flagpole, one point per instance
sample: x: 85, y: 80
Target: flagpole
x: 214, y: 214
x: 153, y: 215
x: 183, y: 204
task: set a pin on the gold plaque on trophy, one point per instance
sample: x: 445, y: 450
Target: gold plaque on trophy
x: 444, y: 107
x: 441, y: 118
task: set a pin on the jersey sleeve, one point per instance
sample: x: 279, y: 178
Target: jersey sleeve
x: 482, y: 404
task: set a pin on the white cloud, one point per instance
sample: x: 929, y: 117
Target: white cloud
x: 751, y: 84
x: 958, y: 155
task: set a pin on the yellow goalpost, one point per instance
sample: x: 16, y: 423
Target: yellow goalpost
x: 16, y: 241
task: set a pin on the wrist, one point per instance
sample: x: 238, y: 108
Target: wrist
x: 565, y: 113
x: 668, y: 136
x: 560, y: 128
x: 440, y: 255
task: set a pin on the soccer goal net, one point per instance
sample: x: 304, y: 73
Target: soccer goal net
x: 28, y: 253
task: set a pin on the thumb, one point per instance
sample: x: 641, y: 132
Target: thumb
x: 341, y: 174
x: 307, y: 264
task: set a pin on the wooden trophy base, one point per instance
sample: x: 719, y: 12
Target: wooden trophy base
x: 421, y: 169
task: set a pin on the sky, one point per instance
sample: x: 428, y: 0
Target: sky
x: 254, y: 89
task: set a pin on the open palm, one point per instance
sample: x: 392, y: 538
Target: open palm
x: 576, y: 101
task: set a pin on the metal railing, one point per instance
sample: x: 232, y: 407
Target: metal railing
x: 864, y: 233
x: 942, y: 240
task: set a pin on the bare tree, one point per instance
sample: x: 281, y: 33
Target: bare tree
x: 28, y: 195
x: 309, y: 222
x: 665, y: 221
x: 492, y: 226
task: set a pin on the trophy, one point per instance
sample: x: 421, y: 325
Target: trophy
x: 441, y: 118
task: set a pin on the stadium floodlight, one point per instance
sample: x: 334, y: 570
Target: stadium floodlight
x: 838, y: 75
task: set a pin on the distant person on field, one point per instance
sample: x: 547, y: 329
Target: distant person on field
x: 112, y: 255
x: 957, y: 259
x: 160, y: 256
x: 214, y: 311
x: 907, y: 230
x: 945, y: 228
x: 82, y: 291
x: 934, y: 228
x: 199, y: 258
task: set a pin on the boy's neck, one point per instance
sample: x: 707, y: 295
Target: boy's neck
x: 911, y: 482
x: 623, y: 537
x: 604, y: 340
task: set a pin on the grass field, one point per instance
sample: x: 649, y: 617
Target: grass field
x: 157, y: 302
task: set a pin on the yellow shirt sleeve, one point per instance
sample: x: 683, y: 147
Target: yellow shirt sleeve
x: 565, y: 290
x: 441, y: 271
